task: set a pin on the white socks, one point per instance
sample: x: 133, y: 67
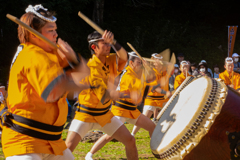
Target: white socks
x: 132, y: 134
x: 89, y: 156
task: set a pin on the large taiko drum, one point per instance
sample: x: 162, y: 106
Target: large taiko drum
x: 201, y: 121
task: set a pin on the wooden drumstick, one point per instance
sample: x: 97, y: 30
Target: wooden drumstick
x: 151, y: 60
x: 171, y: 65
x: 148, y: 59
x: 135, y: 50
x: 92, y: 24
x: 33, y: 31
x: 138, y: 56
x: 36, y: 33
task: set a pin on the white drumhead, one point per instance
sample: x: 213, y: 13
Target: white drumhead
x: 184, y: 110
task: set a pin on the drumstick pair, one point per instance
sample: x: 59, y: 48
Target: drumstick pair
x: 86, y: 19
x: 40, y: 36
x: 36, y: 33
x: 96, y: 27
x: 33, y: 31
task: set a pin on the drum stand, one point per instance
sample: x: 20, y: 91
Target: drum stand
x: 234, y: 140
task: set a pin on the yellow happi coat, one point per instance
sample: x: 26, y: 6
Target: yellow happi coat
x: 130, y: 83
x: 100, y: 76
x: 228, y: 79
x: 32, y: 77
x: 154, y: 98
x: 179, y: 79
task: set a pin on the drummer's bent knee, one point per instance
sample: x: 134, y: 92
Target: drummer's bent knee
x: 130, y: 141
x: 72, y: 140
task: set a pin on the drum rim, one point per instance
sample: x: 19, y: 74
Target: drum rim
x: 211, y: 108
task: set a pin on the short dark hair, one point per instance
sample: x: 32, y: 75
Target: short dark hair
x: 94, y: 35
x: 216, y: 66
x: 132, y: 58
x: 194, y: 64
x: 180, y: 55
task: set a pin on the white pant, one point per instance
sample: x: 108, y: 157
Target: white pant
x: 82, y: 128
x: 129, y: 120
x: 148, y: 108
x: 67, y: 155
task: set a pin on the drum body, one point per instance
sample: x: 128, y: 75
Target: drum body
x: 196, y: 122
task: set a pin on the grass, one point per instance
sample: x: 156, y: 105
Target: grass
x: 1, y: 152
x: 112, y: 150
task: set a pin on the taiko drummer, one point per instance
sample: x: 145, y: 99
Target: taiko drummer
x: 132, y: 86
x: 37, y: 107
x: 155, y: 100
x: 94, y: 109
x: 230, y: 77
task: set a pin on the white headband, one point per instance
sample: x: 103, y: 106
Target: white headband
x: 36, y: 8
x: 154, y: 55
x: 229, y: 60
x: 184, y: 62
x: 133, y: 54
x: 94, y: 40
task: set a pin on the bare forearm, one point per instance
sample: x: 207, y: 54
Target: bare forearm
x: 159, y: 90
x: 64, y: 85
x: 122, y: 53
x: 71, y: 85
x: 122, y: 56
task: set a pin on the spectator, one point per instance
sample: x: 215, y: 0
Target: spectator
x: 189, y: 63
x: 194, y: 69
x: 208, y: 69
x: 3, y: 105
x: 172, y: 78
x: 180, y: 58
x: 216, y: 71
x: 69, y: 110
x: 236, y: 64
x: 202, y: 67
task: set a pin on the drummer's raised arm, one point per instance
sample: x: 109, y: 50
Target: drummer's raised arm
x: 121, y: 52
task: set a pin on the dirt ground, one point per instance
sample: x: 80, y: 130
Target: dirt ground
x: 93, y: 136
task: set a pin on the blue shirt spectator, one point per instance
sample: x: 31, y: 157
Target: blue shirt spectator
x: 69, y: 109
x: 235, y: 57
x: 172, y: 78
x: 216, y: 72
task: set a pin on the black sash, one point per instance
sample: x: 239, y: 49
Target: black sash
x: 156, y: 97
x: 125, y: 105
x: 7, y: 120
x: 89, y: 110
